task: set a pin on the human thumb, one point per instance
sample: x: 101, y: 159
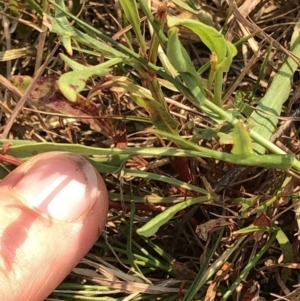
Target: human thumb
x: 52, y: 210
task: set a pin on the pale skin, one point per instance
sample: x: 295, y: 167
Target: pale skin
x: 37, y: 250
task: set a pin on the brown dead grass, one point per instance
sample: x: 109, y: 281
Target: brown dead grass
x: 270, y: 22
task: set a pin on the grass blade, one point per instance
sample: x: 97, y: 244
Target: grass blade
x: 264, y: 120
x: 248, y: 267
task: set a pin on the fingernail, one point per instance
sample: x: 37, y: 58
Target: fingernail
x: 62, y: 185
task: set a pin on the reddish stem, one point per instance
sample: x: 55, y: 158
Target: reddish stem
x: 8, y: 158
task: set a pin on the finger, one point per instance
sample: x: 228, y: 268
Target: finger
x: 52, y: 210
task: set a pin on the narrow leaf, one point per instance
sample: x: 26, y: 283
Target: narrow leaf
x: 131, y: 12
x: 151, y: 227
x: 264, y: 119
x: 159, y: 116
x: 213, y: 39
x: 241, y: 140
x: 177, y: 54
x: 62, y: 29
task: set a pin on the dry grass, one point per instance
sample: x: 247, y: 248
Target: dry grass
x: 114, y: 262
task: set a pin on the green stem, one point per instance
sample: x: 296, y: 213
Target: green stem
x: 196, y: 98
x: 218, y: 89
x: 35, y: 6
x: 199, y: 281
x: 26, y: 150
x: 248, y: 267
x: 155, y: 24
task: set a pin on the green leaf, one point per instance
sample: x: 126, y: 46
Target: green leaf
x: 210, y: 267
x: 71, y: 63
x: 151, y: 227
x: 209, y: 36
x: 287, y: 251
x: 71, y: 83
x: 241, y: 140
x: 131, y: 12
x: 295, y: 35
x: 252, y: 228
x: 65, y: 30
x: 165, y: 179
x: 13, y: 6
x: 240, y: 104
x: 214, y: 40
x: 177, y: 54
x: 285, y: 245
x: 159, y: 116
x: 283, y: 162
x: 245, y: 272
x: 61, y: 19
x: 184, y: 6
x: 231, y: 53
x: 35, y: 6
x: 24, y: 149
x: 182, y: 63
x: 225, y: 138
x: 264, y: 119
x: 246, y: 204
